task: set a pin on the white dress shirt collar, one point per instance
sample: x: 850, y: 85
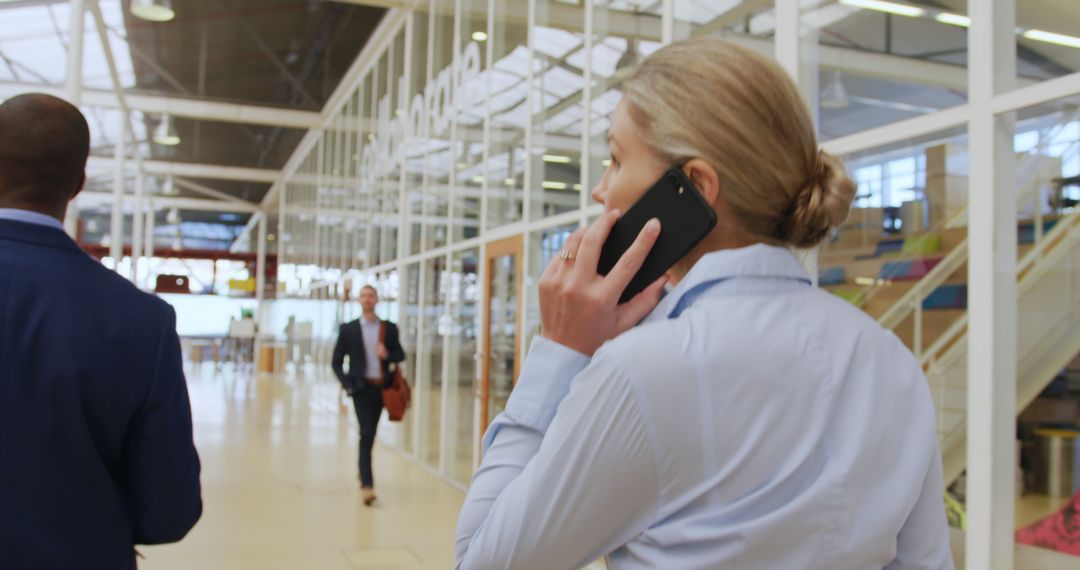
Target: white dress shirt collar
x: 28, y: 217
x: 759, y: 261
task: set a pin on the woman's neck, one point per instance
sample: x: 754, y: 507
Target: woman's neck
x: 723, y: 236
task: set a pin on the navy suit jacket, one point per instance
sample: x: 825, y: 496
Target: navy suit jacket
x: 350, y: 343
x: 96, y: 450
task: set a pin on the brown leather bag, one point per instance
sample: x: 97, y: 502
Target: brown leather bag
x: 397, y: 396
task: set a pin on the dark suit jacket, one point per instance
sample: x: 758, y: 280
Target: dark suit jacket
x: 96, y: 451
x: 351, y: 342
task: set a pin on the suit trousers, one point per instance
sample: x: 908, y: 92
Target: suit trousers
x: 368, y: 404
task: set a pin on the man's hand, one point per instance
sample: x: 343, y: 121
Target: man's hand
x: 380, y: 351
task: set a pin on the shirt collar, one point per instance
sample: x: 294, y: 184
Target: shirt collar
x: 26, y: 216
x: 759, y: 261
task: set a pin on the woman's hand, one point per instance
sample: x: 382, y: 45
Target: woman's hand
x: 579, y: 307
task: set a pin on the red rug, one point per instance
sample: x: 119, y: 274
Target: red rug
x: 1059, y: 531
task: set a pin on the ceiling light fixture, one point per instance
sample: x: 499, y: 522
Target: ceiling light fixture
x: 835, y: 96
x: 165, y: 133
x: 953, y: 19
x: 630, y: 58
x: 479, y: 36
x: 550, y: 185
x: 557, y: 159
x: 169, y: 187
x: 888, y: 7
x: 1052, y: 38
x: 153, y: 10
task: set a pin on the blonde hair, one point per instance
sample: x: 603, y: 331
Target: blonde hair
x: 740, y: 112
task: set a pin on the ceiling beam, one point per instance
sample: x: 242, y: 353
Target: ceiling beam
x: 103, y: 165
x: 97, y: 199
x: 178, y: 106
x: 403, y: 4
x: 210, y: 192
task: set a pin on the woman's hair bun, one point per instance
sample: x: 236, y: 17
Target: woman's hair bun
x: 822, y: 203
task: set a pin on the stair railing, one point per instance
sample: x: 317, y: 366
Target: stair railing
x: 943, y: 354
x: 911, y: 303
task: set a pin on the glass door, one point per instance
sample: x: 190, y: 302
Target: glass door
x: 502, y: 327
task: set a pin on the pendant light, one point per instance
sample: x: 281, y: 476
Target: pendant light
x: 153, y: 10
x: 165, y: 133
x: 835, y: 96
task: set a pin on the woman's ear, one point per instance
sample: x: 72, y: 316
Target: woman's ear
x: 704, y: 176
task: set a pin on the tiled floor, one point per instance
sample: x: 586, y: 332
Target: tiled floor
x: 280, y: 490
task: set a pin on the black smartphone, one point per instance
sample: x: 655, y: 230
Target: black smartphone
x: 685, y: 219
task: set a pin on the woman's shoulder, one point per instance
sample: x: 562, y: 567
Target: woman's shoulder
x: 650, y: 350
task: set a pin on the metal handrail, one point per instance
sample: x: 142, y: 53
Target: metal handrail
x: 932, y: 280
x: 912, y: 300
x: 1046, y: 254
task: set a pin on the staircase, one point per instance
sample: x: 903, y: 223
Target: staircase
x: 924, y: 303
x: 1048, y: 336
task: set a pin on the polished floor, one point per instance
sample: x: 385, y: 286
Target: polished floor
x: 280, y: 488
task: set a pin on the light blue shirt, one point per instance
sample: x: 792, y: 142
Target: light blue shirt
x: 29, y: 217
x: 769, y: 425
x: 370, y: 331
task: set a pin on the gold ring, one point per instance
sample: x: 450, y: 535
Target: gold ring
x: 565, y: 255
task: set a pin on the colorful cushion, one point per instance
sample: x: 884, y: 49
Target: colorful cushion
x: 947, y: 297
x: 832, y: 276
x: 921, y: 245
x: 1025, y: 233
x: 908, y: 269
x: 854, y: 295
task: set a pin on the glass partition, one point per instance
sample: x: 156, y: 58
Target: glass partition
x: 486, y: 121
x: 876, y: 64
x: 462, y: 346
x: 1047, y: 42
x: 431, y: 352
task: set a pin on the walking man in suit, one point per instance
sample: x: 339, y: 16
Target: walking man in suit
x: 370, y: 356
x: 96, y: 450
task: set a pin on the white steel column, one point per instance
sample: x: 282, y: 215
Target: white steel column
x: 789, y: 56
x: 116, y: 249
x: 151, y: 217
x: 667, y: 21
x: 484, y: 305
x: 526, y: 257
x: 404, y: 241
x: 585, y: 176
x: 137, y: 223
x: 448, y: 415
x: 73, y: 90
x: 75, y: 52
x: 260, y: 268
x: 991, y: 421
x: 281, y: 228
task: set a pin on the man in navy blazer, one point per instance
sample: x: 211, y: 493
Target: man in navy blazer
x: 96, y: 450
x: 369, y: 372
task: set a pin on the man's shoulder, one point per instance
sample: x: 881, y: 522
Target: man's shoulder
x: 71, y: 272
x: 118, y: 289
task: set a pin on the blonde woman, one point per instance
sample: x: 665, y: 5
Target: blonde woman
x: 747, y: 419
